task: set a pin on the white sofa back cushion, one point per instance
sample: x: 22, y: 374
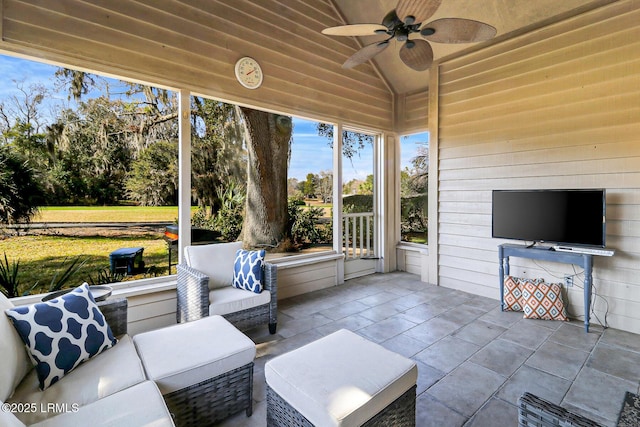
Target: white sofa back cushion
x: 216, y: 261
x: 13, y: 353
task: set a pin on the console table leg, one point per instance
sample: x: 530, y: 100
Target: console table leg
x: 501, y: 276
x: 588, y: 272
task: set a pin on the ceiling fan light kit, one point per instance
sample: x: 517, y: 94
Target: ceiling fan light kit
x: 415, y: 53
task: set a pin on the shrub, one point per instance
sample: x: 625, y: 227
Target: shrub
x: 357, y: 203
x: 105, y: 277
x: 304, y: 227
x: 9, y: 277
x: 229, y: 219
x: 414, y: 214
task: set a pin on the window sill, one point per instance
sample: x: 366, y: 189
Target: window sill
x: 307, y: 259
x: 167, y: 283
x: 413, y: 247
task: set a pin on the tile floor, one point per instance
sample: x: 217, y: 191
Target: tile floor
x: 474, y: 361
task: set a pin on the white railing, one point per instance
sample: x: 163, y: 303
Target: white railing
x: 358, y: 235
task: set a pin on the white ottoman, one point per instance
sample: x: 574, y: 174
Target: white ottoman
x: 341, y: 380
x: 204, y: 369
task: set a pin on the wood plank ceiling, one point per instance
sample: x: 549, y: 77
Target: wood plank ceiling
x: 507, y: 16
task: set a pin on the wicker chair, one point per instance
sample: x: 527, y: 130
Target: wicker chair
x: 201, y: 293
x: 536, y: 412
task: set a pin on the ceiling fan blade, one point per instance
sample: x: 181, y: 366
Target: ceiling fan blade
x: 355, y: 30
x: 419, y: 57
x: 457, y: 30
x: 421, y: 10
x: 365, y: 54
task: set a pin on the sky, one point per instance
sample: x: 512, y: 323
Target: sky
x: 310, y: 153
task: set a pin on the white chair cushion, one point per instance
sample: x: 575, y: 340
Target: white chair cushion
x: 185, y: 354
x: 230, y: 300
x: 140, y: 405
x: 341, y: 379
x: 216, y: 261
x: 15, y: 359
x: 109, y: 372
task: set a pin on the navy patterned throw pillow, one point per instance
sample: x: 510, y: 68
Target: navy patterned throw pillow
x: 62, y: 333
x: 247, y: 270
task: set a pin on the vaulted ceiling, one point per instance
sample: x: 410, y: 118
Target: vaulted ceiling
x: 507, y: 16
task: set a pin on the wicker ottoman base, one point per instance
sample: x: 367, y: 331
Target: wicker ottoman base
x: 213, y: 400
x: 400, y: 413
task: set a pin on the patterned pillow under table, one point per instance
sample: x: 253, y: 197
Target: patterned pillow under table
x: 543, y: 301
x: 513, y: 292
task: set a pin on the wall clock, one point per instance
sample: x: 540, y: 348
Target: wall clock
x: 249, y: 73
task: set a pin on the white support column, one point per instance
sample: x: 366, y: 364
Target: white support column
x: 379, y: 200
x: 337, y: 199
x: 390, y: 165
x: 432, y: 271
x: 184, y: 168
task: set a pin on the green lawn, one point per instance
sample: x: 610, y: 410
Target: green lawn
x: 43, y: 254
x: 107, y: 214
x: 42, y: 257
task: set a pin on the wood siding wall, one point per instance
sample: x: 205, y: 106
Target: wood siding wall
x: 305, y: 277
x: 151, y: 311
x: 194, y: 44
x: 412, y: 112
x: 555, y: 108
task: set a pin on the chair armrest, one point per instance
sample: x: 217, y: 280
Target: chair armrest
x: 192, y: 294
x: 271, y: 283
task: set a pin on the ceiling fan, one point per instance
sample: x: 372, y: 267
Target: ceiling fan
x: 406, y: 20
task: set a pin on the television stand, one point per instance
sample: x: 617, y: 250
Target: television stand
x: 547, y: 254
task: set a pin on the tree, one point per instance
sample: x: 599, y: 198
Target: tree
x: 309, y: 186
x: 20, y: 191
x: 352, y: 142
x: 268, y: 148
x: 292, y: 187
x: 218, y: 159
x: 366, y: 186
x: 24, y: 108
x: 325, y: 186
x: 153, y: 180
x: 419, y: 176
x: 351, y: 187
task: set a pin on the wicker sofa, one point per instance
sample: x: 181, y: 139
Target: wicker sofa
x: 110, y: 389
x: 204, y: 288
x: 536, y: 412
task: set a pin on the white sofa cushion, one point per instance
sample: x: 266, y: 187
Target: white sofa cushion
x: 140, y: 405
x: 216, y: 261
x: 13, y: 353
x: 7, y: 419
x: 341, y: 379
x: 230, y: 300
x: 105, y: 374
x: 185, y: 354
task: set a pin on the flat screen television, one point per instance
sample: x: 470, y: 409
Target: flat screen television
x: 569, y: 217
